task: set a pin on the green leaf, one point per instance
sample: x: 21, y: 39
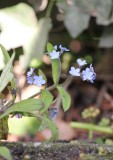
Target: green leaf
x: 50, y: 47
x: 6, y: 59
x: 43, y: 125
x: 43, y: 75
x: 6, y: 74
x: 47, y: 99
x: 106, y: 40
x: 34, y: 33
x: 66, y: 100
x: 56, y: 70
x: 5, y: 153
x: 103, y: 11
x: 75, y: 20
x: 29, y: 105
x: 38, y: 42
x: 49, y: 124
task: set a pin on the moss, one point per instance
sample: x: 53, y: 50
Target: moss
x: 60, y: 151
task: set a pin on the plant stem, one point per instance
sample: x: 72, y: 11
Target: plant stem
x: 90, y: 135
x: 49, y: 9
x: 91, y: 127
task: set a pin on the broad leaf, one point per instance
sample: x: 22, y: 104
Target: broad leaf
x: 5, y: 153
x: 56, y: 70
x: 29, y: 105
x: 47, y: 123
x: 106, y: 40
x: 75, y: 20
x: 6, y: 59
x: 6, y: 74
x: 47, y: 99
x: 43, y: 75
x: 87, y: 6
x: 50, y: 47
x: 66, y: 100
x: 38, y: 42
x: 103, y: 11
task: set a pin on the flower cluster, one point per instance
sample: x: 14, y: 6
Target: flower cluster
x: 34, y: 79
x: 87, y: 74
x: 56, y: 54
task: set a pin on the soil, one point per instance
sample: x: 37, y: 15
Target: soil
x: 73, y: 150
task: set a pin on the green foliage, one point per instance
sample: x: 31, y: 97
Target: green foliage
x: 75, y: 20
x: 47, y: 123
x: 28, y: 105
x: 50, y: 47
x: 6, y: 74
x: 56, y: 65
x: 5, y: 153
x: 106, y: 39
x: 43, y: 75
x: 47, y: 99
x: 39, y: 41
x: 66, y: 100
x: 6, y: 60
x: 77, y: 15
x: 104, y: 122
x: 56, y: 70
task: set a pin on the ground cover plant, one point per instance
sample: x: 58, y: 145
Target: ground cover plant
x: 67, y: 85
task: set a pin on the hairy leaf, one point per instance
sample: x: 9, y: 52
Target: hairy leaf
x: 106, y: 40
x: 47, y: 99
x: 75, y: 20
x: 38, y: 42
x: 47, y: 123
x: 29, y: 105
x: 5, y: 153
x: 56, y: 70
x: 66, y: 100
x: 6, y: 59
x: 50, y: 47
x: 43, y: 75
x: 6, y: 74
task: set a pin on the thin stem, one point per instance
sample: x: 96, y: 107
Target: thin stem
x: 93, y: 127
x: 90, y: 135
x: 38, y: 93
x: 49, y: 9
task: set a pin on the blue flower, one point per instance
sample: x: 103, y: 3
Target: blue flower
x: 39, y: 81
x: 30, y: 80
x: 30, y: 72
x: 74, y: 71
x: 53, y: 112
x: 89, y: 74
x: 81, y: 62
x: 54, y: 54
x: 63, y: 49
x: 18, y: 115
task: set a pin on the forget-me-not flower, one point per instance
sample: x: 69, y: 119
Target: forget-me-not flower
x: 63, y: 49
x: 30, y: 76
x: 39, y: 81
x: 18, y: 115
x: 81, y: 62
x: 30, y: 80
x: 89, y: 74
x: 30, y: 72
x: 74, y: 71
x: 54, y: 54
x: 53, y: 112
